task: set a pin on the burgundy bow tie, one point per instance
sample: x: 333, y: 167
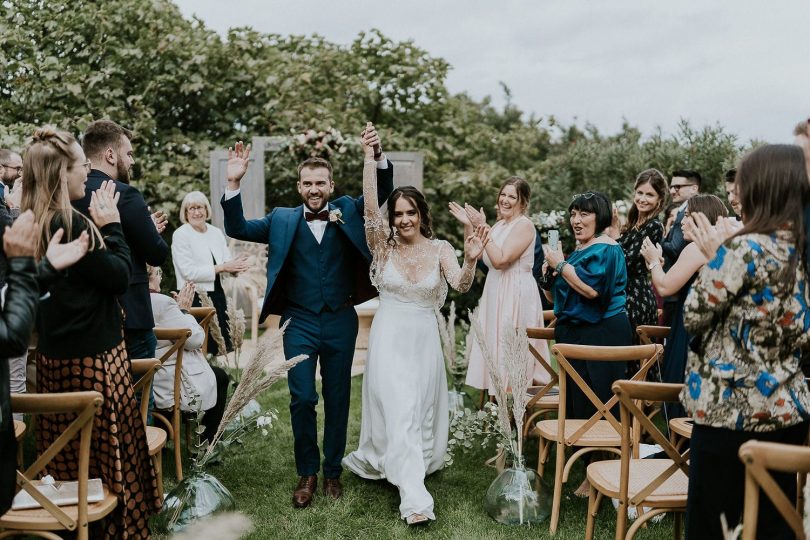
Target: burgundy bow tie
x: 323, y: 215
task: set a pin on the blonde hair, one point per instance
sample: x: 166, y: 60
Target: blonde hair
x: 45, y: 165
x: 191, y: 198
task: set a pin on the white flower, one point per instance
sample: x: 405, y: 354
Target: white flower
x: 336, y: 215
x: 262, y: 421
x: 264, y: 433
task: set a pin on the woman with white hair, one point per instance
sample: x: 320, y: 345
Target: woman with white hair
x: 200, y: 254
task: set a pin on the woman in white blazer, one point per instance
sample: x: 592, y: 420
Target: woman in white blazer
x: 200, y: 254
x: 199, y: 380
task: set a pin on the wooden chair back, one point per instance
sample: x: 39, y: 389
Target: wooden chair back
x: 760, y: 458
x: 171, y: 417
x: 203, y: 315
x: 649, y: 334
x: 549, y: 319
x: 84, y: 405
x: 546, y: 333
x: 144, y: 370
x: 646, y: 354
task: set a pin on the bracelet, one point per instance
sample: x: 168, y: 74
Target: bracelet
x: 560, y: 266
x: 653, y: 265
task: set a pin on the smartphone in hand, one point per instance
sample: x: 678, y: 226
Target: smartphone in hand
x: 553, y: 239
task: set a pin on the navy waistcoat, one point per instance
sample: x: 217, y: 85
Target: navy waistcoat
x: 320, y: 275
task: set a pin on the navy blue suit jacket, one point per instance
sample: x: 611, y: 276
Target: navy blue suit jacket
x: 145, y: 245
x: 277, y: 229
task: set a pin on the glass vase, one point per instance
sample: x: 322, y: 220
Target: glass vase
x: 517, y: 498
x: 455, y: 401
x: 197, y: 496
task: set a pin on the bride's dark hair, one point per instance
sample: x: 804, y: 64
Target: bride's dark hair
x: 415, y: 197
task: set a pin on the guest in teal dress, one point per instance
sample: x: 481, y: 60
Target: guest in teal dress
x: 588, y: 291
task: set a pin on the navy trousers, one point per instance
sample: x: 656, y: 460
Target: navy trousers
x: 329, y: 338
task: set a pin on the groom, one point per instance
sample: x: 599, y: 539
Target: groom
x: 317, y: 270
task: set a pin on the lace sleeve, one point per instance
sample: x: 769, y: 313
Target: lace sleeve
x: 375, y: 226
x: 460, y: 278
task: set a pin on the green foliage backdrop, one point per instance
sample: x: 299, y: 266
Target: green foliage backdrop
x: 184, y: 90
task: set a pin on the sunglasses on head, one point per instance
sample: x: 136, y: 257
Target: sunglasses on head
x: 587, y: 195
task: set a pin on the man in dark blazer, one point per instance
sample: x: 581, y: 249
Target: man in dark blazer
x: 109, y: 149
x: 317, y: 270
x: 684, y: 185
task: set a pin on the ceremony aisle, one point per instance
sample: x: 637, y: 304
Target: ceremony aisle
x: 261, y: 474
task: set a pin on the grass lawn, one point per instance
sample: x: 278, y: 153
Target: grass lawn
x: 261, y: 476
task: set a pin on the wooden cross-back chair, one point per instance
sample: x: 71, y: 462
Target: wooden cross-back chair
x: 659, y: 484
x: 75, y: 518
x: 203, y: 315
x: 170, y: 418
x: 600, y: 432
x: 155, y: 437
x: 19, y: 434
x: 544, y: 399
x: 760, y: 458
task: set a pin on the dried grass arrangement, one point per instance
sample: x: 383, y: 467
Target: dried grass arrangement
x: 236, y: 327
x: 214, y: 329
x: 456, y: 363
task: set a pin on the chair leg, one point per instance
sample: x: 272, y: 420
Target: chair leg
x: 178, y: 456
x: 621, y: 520
x: 592, y: 510
x: 555, y: 502
x: 678, y: 525
x: 157, y: 463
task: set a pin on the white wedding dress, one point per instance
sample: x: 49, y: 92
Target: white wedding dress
x: 404, y: 429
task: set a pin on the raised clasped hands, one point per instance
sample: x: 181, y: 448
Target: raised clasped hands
x: 459, y: 213
x: 104, y: 205
x: 238, y: 160
x: 476, y: 217
x: 475, y: 243
x: 370, y: 140
x: 710, y: 237
x: 652, y: 253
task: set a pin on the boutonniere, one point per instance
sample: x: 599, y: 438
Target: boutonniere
x: 336, y: 215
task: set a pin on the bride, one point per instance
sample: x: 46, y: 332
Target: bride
x: 403, y: 434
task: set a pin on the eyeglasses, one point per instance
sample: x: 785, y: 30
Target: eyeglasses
x: 196, y: 208
x: 677, y: 187
x: 87, y: 165
x: 18, y: 169
x: 157, y: 272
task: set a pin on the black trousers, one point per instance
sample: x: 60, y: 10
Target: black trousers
x: 212, y: 416
x: 717, y: 482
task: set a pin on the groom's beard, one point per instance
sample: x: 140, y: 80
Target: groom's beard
x: 324, y: 203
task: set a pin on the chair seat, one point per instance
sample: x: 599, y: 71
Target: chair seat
x: 602, y: 433
x: 155, y: 439
x: 682, y: 426
x: 548, y: 401
x: 19, y: 429
x: 604, y: 476
x: 39, y: 519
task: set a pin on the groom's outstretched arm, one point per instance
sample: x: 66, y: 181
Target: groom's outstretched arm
x: 236, y: 226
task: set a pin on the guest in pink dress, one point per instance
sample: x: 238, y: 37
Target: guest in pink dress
x: 511, y: 298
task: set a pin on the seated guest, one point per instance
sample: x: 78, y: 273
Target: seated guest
x: 676, y: 282
x: 199, y: 381
x: 588, y: 291
x: 743, y: 377
x: 81, y: 343
x: 200, y: 254
x: 17, y: 321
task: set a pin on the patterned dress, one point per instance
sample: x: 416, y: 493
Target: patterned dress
x: 753, y: 324
x: 641, y: 306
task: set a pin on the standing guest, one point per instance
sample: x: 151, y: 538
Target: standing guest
x: 670, y: 213
x: 731, y: 192
x: 109, y: 149
x: 649, y: 194
x: 744, y: 379
x: 510, y: 298
x: 80, y: 345
x: 319, y: 242
x: 17, y: 320
x: 200, y: 254
x: 198, y: 380
x: 10, y: 170
x: 676, y: 282
x: 589, y: 294
x: 684, y: 185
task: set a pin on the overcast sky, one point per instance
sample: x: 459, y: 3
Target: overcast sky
x: 743, y: 64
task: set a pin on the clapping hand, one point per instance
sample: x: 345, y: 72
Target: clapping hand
x: 371, y: 141
x: 185, y: 297
x: 160, y: 220
x: 476, y: 217
x: 238, y: 159
x: 651, y: 253
x: 459, y: 213
x: 475, y: 243
x: 104, y: 205
x: 63, y: 255
x: 234, y: 266
x: 20, y: 239
x: 710, y: 237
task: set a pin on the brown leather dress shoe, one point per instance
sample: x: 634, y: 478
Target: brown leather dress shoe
x: 304, y: 491
x: 332, y: 487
